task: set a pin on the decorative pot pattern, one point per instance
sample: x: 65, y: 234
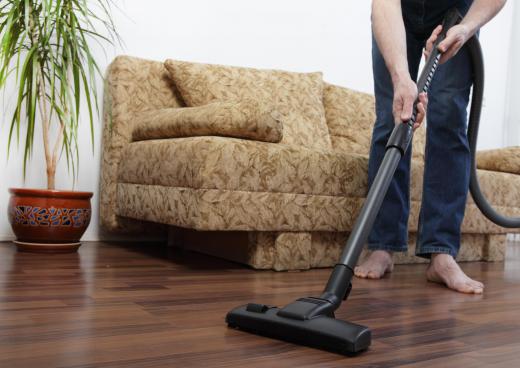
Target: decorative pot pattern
x: 52, y: 217
x: 38, y: 216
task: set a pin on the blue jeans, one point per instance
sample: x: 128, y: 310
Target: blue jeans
x: 447, y: 156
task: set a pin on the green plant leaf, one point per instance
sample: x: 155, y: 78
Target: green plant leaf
x: 46, y: 43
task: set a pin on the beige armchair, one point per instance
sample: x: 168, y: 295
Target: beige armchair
x: 266, y: 168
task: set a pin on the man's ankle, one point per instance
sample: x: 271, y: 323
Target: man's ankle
x: 441, y: 256
x: 389, y: 252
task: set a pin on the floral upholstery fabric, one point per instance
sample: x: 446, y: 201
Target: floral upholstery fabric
x: 297, y: 200
x: 297, y: 96
x: 350, y: 117
x: 261, y: 212
x: 244, y: 165
x: 132, y: 86
x: 218, y: 209
x: 244, y: 119
x: 502, y: 159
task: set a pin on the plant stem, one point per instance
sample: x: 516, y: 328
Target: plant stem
x: 42, y: 107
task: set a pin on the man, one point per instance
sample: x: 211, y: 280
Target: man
x: 401, y: 30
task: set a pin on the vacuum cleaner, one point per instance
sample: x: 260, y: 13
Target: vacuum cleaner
x: 310, y: 321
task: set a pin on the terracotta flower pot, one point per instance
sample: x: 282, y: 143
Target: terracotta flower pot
x: 48, y: 220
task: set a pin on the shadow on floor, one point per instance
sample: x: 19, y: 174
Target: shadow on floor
x: 186, y: 258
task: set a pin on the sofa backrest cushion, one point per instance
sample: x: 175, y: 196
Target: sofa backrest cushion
x: 297, y: 96
x: 350, y: 117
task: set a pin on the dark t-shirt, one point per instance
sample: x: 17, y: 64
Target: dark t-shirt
x: 421, y: 16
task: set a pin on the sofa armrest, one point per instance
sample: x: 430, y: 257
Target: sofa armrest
x: 502, y: 160
x: 244, y: 119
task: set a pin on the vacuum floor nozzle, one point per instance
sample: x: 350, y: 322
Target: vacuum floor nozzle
x: 321, y: 332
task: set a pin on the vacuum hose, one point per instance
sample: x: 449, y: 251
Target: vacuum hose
x: 481, y: 201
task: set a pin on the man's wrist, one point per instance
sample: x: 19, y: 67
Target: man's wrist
x: 399, y: 75
x: 471, y: 27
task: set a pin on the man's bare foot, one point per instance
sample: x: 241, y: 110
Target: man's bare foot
x: 375, y: 266
x: 444, y: 269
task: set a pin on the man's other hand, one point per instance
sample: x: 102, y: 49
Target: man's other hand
x: 450, y: 46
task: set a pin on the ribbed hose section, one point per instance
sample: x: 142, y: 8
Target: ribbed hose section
x: 481, y: 201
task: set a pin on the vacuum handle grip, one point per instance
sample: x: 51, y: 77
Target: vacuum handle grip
x: 451, y: 19
x: 432, y: 63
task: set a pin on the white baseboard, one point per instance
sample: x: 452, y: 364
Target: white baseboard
x: 6, y: 237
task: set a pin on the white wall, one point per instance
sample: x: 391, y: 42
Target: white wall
x: 512, y: 122
x: 297, y: 35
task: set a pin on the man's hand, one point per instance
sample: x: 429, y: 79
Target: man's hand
x: 450, y: 46
x: 422, y: 106
x: 479, y: 13
x: 405, y: 94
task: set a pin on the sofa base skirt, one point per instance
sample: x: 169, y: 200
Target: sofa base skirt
x: 286, y: 251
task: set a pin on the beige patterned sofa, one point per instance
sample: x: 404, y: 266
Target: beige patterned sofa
x: 267, y: 168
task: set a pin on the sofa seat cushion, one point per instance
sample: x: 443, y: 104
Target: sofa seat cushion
x: 297, y: 96
x: 245, y: 119
x: 243, y: 165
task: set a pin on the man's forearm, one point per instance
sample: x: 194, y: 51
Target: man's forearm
x: 390, y: 35
x: 481, y: 12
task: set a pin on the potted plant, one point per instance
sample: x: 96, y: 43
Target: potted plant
x: 44, y: 47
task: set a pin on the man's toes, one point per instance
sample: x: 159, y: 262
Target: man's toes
x: 469, y: 287
x: 477, y: 286
x: 374, y: 275
x: 478, y: 291
x: 463, y: 287
x: 360, y: 272
x: 475, y: 289
x: 475, y: 283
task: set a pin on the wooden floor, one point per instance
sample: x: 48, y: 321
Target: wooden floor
x: 144, y: 306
